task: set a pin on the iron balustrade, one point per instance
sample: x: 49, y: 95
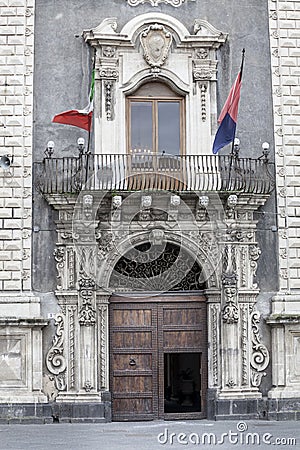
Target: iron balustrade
x: 129, y: 172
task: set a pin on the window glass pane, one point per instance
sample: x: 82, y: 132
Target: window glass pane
x: 169, y: 127
x: 141, y: 126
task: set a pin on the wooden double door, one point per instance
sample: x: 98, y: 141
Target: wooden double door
x: 158, y: 357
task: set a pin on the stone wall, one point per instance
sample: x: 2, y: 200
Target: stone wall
x: 285, y: 49
x: 16, y: 101
x: 285, y: 317
x: 20, y: 319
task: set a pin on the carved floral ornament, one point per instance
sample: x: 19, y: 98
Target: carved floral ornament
x: 174, y: 3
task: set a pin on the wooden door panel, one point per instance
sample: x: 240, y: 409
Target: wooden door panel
x: 124, y: 361
x: 183, y: 316
x: 182, y: 328
x: 141, y: 333
x: 134, y: 383
x: 178, y: 340
x: 128, y: 408
x: 132, y: 339
x: 132, y: 317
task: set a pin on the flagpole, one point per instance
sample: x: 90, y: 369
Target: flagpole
x: 241, y: 74
x: 232, y: 154
x: 90, y: 120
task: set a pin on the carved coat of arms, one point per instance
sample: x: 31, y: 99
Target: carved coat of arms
x: 156, y: 42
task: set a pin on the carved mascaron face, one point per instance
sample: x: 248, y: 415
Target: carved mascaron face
x: 88, y: 200
x: 203, y: 201
x: 175, y: 200
x: 232, y: 200
x: 146, y: 201
x: 117, y: 201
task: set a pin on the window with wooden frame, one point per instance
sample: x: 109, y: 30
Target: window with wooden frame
x: 155, y: 121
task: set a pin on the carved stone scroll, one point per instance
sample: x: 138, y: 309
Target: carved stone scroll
x: 260, y: 357
x: 55, y: 360
x: 59, y: 256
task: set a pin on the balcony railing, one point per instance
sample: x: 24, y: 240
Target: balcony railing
x: 201, y: 173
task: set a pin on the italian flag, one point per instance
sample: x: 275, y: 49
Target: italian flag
x: 81, y: 118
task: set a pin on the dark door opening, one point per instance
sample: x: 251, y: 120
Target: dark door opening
x: 182, y: 382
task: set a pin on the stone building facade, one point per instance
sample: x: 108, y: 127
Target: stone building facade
x: 284, y: 320
x: 21, y: 319
x: 146, y: 282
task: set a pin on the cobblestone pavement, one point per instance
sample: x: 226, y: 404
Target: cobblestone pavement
x: 152, y: 435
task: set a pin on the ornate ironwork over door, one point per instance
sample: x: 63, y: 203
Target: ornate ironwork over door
x: 164, y: 267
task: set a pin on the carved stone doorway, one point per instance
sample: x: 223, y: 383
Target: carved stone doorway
x: 158, y: 356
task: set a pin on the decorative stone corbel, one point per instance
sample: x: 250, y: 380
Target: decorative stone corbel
x: 201, y: 209
x: 204, y: 70
x: 173, y: 207
x: 146, y: 202
x: 231, y: 204
x: 87, y: 206
x: 116, y: 204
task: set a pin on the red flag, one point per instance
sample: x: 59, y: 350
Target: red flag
x: 81, y: 118
x: 228, y: 116
x: 75, y: 117
x: 232, y: 102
